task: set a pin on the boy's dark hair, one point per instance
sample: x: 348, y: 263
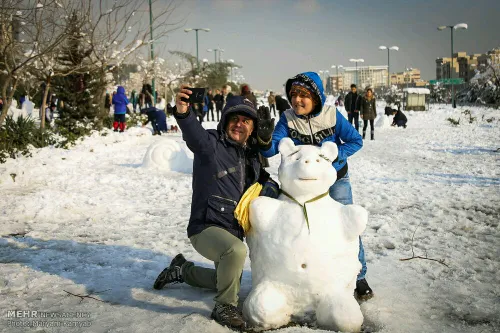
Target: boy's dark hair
x: 353, y: 86
x: 369, y: 89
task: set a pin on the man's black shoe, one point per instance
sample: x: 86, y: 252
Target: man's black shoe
x: 228, y: 315
x: 171, y: 274
x: 363, y: 292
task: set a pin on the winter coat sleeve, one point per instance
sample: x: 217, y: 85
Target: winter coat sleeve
x: 198, y: 140
x: 358, y: 102
x: 347, y: 103
x: 361, y: 106
x: 351, y: 140
x: 280, y: 132
x: 374, y: 107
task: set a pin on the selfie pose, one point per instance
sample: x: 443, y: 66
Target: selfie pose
x: 226, y: 163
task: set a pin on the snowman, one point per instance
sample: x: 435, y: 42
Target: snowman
x: 304, y: 246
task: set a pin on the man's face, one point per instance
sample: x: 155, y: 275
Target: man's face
x: 224, y: 91
x: 302, y: 104
x: 210, y: 91
x: 239, y: 128
x: 353, y: 89
x: 217, y: 91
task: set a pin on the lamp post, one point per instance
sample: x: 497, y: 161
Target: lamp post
x: 337, y: 67
x: 356, y: 61
x: 408, y: 71
x: 231, y: 61
x: 453, y: 27
x: 196, y: 29
x: 215, y: 53
x: 394, y: 48
x: 152, y: 49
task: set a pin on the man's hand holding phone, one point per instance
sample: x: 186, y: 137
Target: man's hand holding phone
x: 182, y: 106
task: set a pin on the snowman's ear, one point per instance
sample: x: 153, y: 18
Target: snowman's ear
x: 286, y: 147
x: 329, y: 151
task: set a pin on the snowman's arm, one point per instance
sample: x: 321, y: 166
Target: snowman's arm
x: 354, y: 219
x: 263, y: 211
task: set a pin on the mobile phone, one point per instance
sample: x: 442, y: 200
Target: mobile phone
x: 197, y: 96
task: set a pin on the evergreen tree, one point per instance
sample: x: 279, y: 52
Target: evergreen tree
x: 80, y: 91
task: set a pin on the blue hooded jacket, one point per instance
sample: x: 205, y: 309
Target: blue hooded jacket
x: 120, y: 101
x: 320, y: 126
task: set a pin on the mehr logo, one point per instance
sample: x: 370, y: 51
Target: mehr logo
x: 22, y: 314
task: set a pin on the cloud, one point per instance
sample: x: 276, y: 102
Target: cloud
x: 307, y: 6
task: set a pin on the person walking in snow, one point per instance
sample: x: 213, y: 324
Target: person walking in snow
x: 271, y: 100
x: 368, y: 112
x: 247, y: 93
x: 308, y: 123
x: 352, y: 104
x: 218, y: 185
x: 120, y: 102
x: 218, y: 103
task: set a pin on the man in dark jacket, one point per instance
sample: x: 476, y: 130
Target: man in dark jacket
x: 225, y: 165
x: 218, y: 103
x: 210, y: 105
x: 352, y: 104
x: 281, y: 104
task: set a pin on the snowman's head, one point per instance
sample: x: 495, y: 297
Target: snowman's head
x: 306, y: 169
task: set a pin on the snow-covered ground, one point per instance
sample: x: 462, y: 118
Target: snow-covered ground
x: 98, y: 221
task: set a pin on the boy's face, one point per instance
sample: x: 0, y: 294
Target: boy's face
x: 353, y: 89
x: 302, y: 104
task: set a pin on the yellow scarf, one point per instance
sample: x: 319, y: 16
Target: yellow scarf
x: 241, y: 213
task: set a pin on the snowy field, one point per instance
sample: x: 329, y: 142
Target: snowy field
x: 95, y: 220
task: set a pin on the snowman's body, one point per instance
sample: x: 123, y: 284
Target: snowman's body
x: 296, y: 268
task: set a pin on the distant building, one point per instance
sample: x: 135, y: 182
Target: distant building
x: 368, y: 76
x: 464, y: 65
x: 411, y: 77
x: 336, y: 82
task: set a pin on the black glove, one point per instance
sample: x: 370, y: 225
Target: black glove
x: 266, y: 126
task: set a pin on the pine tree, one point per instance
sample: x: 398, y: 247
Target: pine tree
x: 81, y: 89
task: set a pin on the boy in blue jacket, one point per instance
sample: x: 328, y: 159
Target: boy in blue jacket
x: 120, y: 102
x: 308, y: 123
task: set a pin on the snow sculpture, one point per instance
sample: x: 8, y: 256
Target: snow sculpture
x: 304, y: 258
x: 168, y: 155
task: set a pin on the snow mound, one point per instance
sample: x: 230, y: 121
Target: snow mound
x: 383, y: 121
x: 168, y: 155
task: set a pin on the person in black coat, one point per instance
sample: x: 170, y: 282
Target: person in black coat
x: 218, y: 103
x: 400, y: 119
x: 281, y: 104
x: 226, y: 163
x: 352, y: 106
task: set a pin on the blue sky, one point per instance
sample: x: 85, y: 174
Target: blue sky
x: 275, y: 39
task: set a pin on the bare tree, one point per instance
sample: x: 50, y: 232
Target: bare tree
x: 29, y: 30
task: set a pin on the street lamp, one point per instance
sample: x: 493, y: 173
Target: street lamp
x: 152, y: 48
x: 215, y: 52
x: 408, y: 71
x: 196, y: 29
x: 394, y: 48
x: 453, y: 27
x: 231, y: 61
x: 337, y: 67
x: 356, y: 61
